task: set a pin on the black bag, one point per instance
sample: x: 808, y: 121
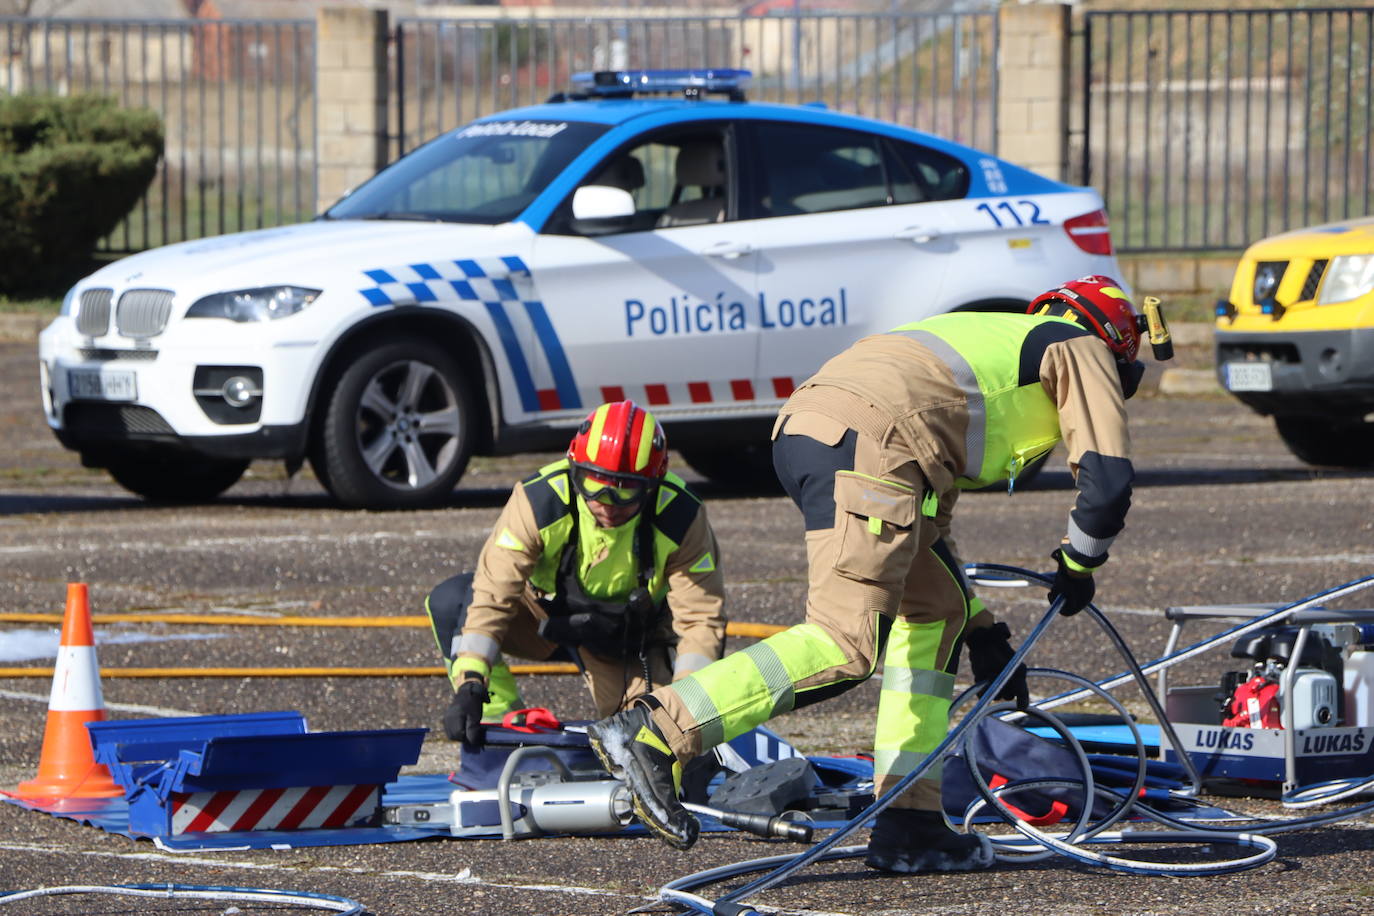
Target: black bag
x: 1008, y: 753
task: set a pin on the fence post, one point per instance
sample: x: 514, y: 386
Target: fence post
x: 1033, y: 86
x: 351, y: 98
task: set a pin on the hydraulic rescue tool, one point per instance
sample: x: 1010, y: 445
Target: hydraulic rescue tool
x: 564, y: 801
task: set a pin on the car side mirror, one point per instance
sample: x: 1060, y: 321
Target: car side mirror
x: 598, y: 209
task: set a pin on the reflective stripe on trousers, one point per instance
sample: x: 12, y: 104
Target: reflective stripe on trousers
x: 913, y: 711
x: 751, y: 686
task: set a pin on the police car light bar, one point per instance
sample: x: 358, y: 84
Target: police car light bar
x: 691, y: 83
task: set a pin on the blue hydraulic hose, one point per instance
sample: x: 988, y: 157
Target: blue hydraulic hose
x: 200, y: 892
x: 726, y: 904
x: 729, y: 905
x: 1354, y: 585
x: 1134, y: 671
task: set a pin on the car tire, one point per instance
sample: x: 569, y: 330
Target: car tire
x: 744, y: 467
x: 1328, y: 442
x: 176, y: 477
x: 397, y: 430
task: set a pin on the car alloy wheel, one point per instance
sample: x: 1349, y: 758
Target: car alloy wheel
x: 397, y: 431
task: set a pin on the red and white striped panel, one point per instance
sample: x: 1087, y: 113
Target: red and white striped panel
x: 296, y: 808
x: 656, y: 394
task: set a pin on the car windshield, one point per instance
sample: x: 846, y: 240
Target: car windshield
x: 487, y: 172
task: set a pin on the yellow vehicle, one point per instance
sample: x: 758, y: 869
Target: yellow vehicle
x: 1295, y: 340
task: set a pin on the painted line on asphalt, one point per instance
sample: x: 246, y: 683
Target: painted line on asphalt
x: 464, y: 876
x: 121, y: 707
x: 230, y: 541
x: 1358, y: 559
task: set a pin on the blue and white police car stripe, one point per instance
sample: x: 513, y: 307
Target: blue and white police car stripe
x: 498, y: 283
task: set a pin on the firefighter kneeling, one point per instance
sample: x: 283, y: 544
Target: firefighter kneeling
x: 603, y: 558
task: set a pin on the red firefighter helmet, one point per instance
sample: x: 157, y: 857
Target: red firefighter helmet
x: 618, y: 454
x: 1100, y: 305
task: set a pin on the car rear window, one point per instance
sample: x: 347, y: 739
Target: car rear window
x: 921, y: 174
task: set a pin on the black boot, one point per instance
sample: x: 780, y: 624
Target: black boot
x: 908, y: 841
x: 633, y: 750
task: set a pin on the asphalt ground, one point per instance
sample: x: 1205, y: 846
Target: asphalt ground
x: 1222, y: 514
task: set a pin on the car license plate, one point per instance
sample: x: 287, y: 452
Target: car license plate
x: 102, y: 386
x: 1254, y: 376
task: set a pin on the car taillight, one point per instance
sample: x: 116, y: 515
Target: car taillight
x: 1090, y: 232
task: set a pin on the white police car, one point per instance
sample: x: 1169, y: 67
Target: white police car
x: 700, y: 255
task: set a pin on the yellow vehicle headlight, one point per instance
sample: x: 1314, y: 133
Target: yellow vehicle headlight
x: 1350, y: 276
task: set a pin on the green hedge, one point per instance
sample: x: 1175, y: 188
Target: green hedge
x: 70, y: 170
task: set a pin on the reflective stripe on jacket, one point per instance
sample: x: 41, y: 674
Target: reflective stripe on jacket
x: 606, y: 563
x: 970, y: 396
x: 995, y: 360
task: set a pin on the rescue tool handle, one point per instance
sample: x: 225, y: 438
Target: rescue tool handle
x: 508, y: 771
x: 1160, y: 340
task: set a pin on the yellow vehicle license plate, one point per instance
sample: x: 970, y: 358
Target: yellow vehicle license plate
x: 1249, y: 376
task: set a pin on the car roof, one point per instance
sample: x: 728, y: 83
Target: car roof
x: 616, y: 112
x: 625, y: 114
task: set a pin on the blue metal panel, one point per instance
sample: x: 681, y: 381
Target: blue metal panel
x: 135, y: 749
x: 154, y: 758
x: 129, y: 740
x: 1119, y: 735
x: 311, y: 759
x: 112, y: 816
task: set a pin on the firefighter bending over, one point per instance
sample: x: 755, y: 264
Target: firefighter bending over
x: 873, y: 449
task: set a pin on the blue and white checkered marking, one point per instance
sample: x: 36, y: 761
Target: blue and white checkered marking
x: 506, y: 288
x: 471, y: 279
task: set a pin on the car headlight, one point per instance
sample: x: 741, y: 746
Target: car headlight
x: 1350, y: 276
x: 262, y: 304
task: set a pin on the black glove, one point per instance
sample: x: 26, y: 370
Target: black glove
x: 989, y: 650
x: 463, y: 718
x: 1077, y: 588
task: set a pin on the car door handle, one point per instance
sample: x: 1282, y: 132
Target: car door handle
x: 727, y: 250
x: 917, y: 234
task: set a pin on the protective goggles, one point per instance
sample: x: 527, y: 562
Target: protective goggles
x: 596, y: 486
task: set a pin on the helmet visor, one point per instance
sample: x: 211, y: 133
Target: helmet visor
x: 597, y: 486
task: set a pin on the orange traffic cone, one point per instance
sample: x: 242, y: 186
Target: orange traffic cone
x: 67, y: 767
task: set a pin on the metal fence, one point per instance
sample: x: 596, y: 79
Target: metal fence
x: 1209, y: 129
x: 1204, y: 129
x: 237, y: 101
x: 936, y: 72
